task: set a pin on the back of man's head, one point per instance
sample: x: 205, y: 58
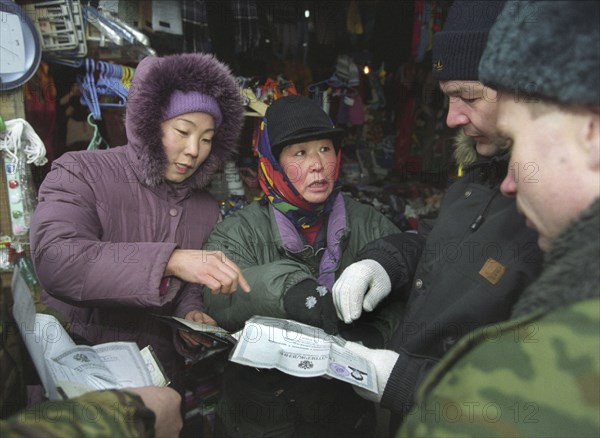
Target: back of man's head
x: 547, y: 49
x: 457, y: 49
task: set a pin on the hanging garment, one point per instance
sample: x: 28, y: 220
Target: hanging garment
x: 327, y: 19
x: 405, y: 131
x: 356, y: 111
x: 416, y: 28
x: 247, y: 32
x: 342, y: 113
x: 346, y: 71
x: 40, y: 107
x: 424, y: 32
x: 353, y: 19
x: 195, y: 26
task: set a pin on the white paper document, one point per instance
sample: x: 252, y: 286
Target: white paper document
x: 300, y: 350
x: 69, y: 370
x: 199, y: 327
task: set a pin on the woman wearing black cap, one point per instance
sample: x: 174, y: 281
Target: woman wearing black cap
x: 291, y: 246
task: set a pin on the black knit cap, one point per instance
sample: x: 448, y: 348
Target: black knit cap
x: 547, y: 49
x: 457, y: 49
x: 294, y: 119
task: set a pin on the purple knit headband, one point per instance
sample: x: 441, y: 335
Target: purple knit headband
x: 191, y: 102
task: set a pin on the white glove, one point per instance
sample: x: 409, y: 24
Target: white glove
x: 362, y: 285
x: 383, y: 362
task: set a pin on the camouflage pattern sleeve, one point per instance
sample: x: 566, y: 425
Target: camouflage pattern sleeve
x: 95, y: 414
x: 538, y: 376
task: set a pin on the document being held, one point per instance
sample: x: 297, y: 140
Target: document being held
x: 300, y: 350
x: 69, y: 370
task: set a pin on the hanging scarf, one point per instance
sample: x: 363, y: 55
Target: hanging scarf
x: 282, y: 194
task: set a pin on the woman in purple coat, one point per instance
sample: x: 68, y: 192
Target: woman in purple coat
x: 117, y: 235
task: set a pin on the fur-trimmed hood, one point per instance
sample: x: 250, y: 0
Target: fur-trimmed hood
x: 154, y: 81
x: 464, y: 149
x: 488, y: 170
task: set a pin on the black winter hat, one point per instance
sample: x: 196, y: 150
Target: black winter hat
x: 458, y: 47
x: 293, y: 119
x: 548, y: 49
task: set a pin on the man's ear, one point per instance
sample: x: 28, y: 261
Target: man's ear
x: 591, y: 138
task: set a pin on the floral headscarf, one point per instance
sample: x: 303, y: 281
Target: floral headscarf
x: 280, y: 191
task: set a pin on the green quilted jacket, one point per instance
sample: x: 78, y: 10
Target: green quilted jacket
x: 273, y: 258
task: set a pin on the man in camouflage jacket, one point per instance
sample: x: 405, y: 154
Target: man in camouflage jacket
x: 95, y: 414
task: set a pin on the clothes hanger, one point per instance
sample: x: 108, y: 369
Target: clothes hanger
x: 316, y: 87
x: 127, y: 76
x: 109, y: 84
x: 97, y: 141
x: 89, y: 95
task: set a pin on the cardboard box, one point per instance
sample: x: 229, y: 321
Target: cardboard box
x: 126, y: 10
x: 161, y: 16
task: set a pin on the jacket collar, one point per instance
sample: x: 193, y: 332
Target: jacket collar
x: 164, y: 190
x: 488, y: 170
x: 337, y: 229
x: 570, y: 268
x: 482, y: 170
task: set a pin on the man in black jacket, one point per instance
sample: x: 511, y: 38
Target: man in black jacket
x: 478, y: 257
